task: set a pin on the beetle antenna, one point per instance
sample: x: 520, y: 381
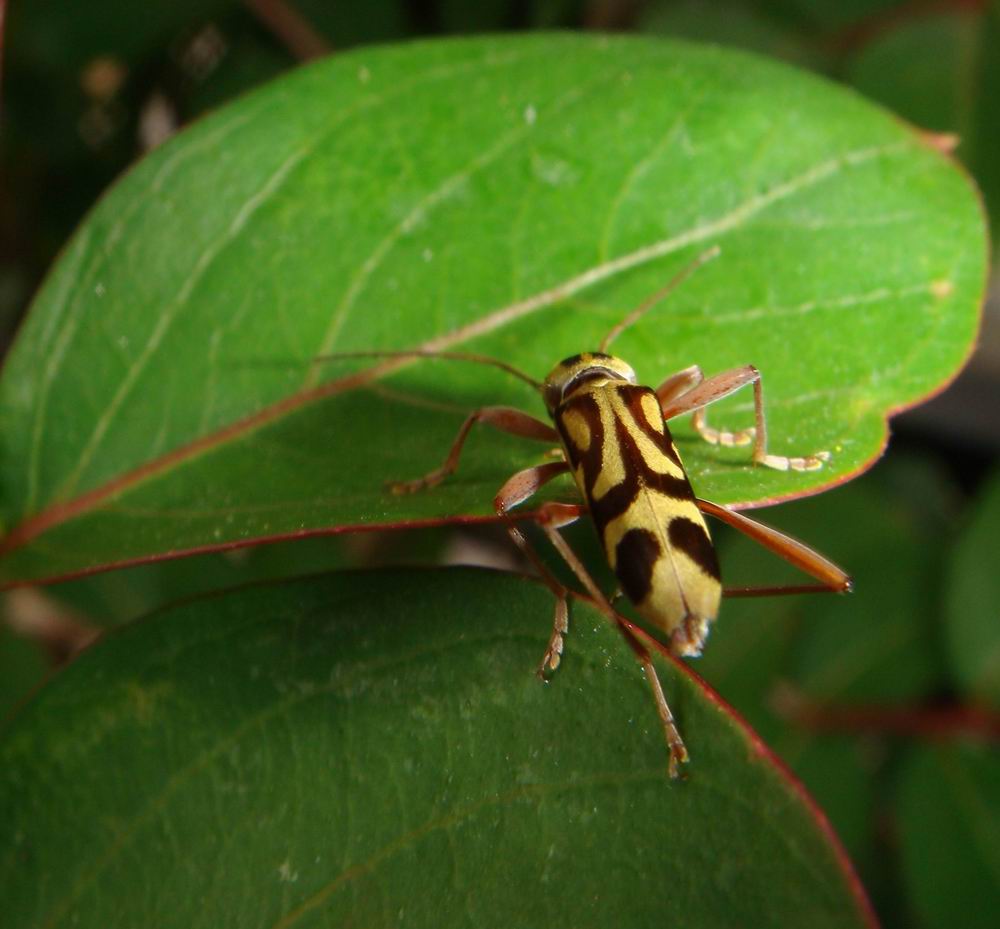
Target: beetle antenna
x: 430, y: 353
x: 647, y: 304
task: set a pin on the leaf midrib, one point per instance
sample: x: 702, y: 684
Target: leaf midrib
x: 57, y: 513
x: 205, y: 260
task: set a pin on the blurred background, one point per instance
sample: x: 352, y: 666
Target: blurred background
x: 887, y: 703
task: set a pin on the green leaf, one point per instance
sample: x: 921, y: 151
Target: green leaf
x: 919, y: 69
x: 949, y: 831
x: 22, y: 666
x: 513, y: 196
x: 973, y: 603
x: 352, y: 748
x: 881, y: 644
x: 940, y: 71
x: 114, y: 597
x: 798, y: 667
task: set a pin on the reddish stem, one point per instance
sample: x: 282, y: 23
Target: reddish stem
x: 290, y: 27
x: 943, y: 722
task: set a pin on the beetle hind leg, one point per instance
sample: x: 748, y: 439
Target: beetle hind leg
x: 551, y: 516
x: 675, y: 744
x: 560, y: 626
x: 516, y: 490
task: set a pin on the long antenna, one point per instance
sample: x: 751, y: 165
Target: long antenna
x: 647, y: 304
x: 429, y: 353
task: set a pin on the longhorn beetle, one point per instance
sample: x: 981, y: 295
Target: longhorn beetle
x: 614, y: 440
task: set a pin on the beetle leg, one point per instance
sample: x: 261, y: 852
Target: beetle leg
x: 504, y: 418
x: 780, y: 590
x: 550, y: 517
x: 679, y: 384
x: 722, y: 385
x: 678, y: 750
x: 516, y: 490
x: 675, y: 744
x: 796, y: 553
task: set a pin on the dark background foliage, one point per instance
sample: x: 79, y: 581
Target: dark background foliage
x: 887, y: 705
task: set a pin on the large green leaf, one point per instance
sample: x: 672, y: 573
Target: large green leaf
x: 22, y: 665
x: 351, y: 749
x: 813, y: 674
x: 115, y: 597
x: 514, y: 196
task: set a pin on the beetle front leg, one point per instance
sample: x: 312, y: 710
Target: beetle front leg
x: 504, y: 418
x: 722, y: 385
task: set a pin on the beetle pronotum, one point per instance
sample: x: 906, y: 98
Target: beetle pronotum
x: 614, y: 440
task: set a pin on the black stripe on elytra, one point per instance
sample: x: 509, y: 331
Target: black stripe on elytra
x: 632, y: 396
x: 692, y: 539
x: 679, y: 488
x: 635, y: 559
x: 638, y: 474
x: 591, y: 459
